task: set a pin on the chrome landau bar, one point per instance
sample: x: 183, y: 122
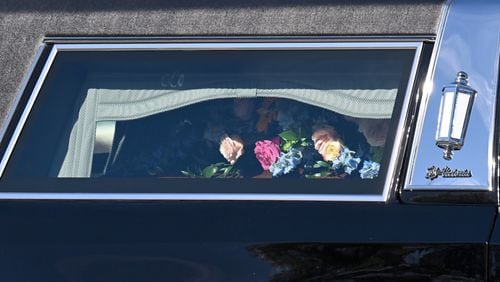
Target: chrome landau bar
x: 469, y: 42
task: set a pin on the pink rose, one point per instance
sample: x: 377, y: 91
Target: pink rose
x: 231, y: 148
x: 267, y: 153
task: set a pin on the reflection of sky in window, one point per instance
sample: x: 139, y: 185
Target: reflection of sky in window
x: 136, y: 79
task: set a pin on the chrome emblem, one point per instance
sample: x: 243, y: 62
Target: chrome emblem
x: 434, y: 172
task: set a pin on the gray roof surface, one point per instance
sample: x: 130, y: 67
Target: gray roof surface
x: 25, y: 23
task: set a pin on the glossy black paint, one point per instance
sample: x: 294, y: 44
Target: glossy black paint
x: 494, y: 252
x: 327, y: 262
x: 241, y: 241
x: 250, y: 241
x: 241, y: 262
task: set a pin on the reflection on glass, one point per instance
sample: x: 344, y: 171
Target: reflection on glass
x: 243, y: 137
x: 460, y: 115
x: 445, y: 114
x: 104, y: 136
x: 300, y: 114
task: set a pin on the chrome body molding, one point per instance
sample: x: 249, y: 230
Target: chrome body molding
x: 395, y: 155
x: 237, y: 39
x: 189, y: 196
x: 469, y: 42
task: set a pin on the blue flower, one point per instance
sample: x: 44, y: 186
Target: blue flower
x: 347, y: 161
x: 286, y: 162
x: 339, y: 162
x: 369, y: 170
x: 351, y: 164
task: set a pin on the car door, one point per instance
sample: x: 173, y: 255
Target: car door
x: 102, y: 178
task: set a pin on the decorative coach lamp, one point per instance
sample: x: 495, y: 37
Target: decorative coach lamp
x: 454, y: 114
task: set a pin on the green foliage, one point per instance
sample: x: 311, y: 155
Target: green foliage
x: 326, y: 170
x: 291, y: 140
x: 288, y: 136
x: 320, y: 174
x: 377, y: 153
x: 320, y: 164
x: 218, y: 170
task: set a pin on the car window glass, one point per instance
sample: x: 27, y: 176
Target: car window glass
x: 259, y: 114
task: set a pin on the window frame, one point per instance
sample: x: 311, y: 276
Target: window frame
x: 396, y: 150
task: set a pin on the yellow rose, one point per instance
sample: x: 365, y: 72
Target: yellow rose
x: 326, y: 143
x: 330, y: 150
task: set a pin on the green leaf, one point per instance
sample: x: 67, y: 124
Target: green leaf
x: 318, y: 174
x: 287, y: 146
x: 188, y: 173
x: 303, y: 142
x: 225, y: 171
x: 209, y: 171
x: 377, y: 153
x: 322, y: 174
x: 288, y: 136
x: 322, y: 164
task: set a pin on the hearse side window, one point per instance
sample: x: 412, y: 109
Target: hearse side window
x: 324, y: 117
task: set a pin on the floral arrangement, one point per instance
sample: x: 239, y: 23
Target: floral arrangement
x: 263, y: 138
x: 337, y: 159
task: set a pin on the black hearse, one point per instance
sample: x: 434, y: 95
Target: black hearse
x: 249, y: 140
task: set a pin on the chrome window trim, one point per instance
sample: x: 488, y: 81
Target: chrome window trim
x: 239, y: 39
x: 238, y: 46
x: 395, y: 155
x: 454, y: 11
x: 189, y: 196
